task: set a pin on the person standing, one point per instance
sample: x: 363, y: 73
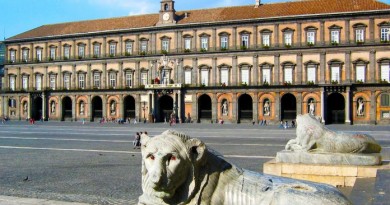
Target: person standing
x: 137, y: 141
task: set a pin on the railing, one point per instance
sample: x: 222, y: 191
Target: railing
x: 163, y: 86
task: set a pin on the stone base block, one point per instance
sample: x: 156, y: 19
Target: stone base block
x: 336, y: 175
x: 328, y: 158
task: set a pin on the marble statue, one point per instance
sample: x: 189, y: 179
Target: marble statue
x: 225, y: 108
x: 82, y: 108
x: 312, y: 108
x: 113, y: 107
x: 178, y: 169
x: 25, y: 108
x: 267, y: 111
x: 312, y: 136
x: 53, y: 107
x: 360, y: 107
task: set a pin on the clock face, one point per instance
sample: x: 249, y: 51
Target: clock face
x: 166, y: 17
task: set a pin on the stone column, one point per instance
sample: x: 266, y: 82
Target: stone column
x: 299, y: 34
x: 153, y: 104
x: 323, y: 104
x: 255, y: 70
x: 298, y: 80
x: 214, y: 70
x: 276, y: 32
x: 89, y: 107
x: 347, y: 67
x: 59, y: 49
x: 73, y: 84
x: 121, y: 45
x: 276, y: 69
x: 278, y: 116
x: 59, y: 77
x: 136, y: 74
x: 299, y: 103
x: 347, y: 31
x: 150, y: 44
x: 136, y: 45
x: 348, y: 105
x: 44, y: 107
x: 31, y: 52
x: 120, y: 75
x: 322, y: 32
x: 256, y: 108
x: 234, y: 108
x: 194, y: 114
x: 234, y: 70
x: 255, y: 36
x: 74, y: 50
x: 137, y: 106
x: 18, y: 105
x: 322, y: 67
x: 195, y: 46
x: 214, y: 36
x: 180, y: 71
x: 45, y: 79
x: 371, y: 26
x: 179, y: 103
x: 373, y: 110
x: 31, y: 79
x: 74, y: 108
x: 6, y: 106
x: 60, y: 112
x: 18, y: 79
x: 104, y: 49
x: 234, y: 36
x: 104, y: 76
x: 372, y: 66
x: 195, y: 70
x: 88, y: 76
x: 105, y: 104
x: 90, y: 48
x: 214, y: 108
x: 3, y: 103
x: 121, y: 107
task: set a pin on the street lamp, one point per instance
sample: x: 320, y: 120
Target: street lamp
x: 144, y: 107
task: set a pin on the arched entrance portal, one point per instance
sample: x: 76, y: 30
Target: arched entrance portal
x: 165, y: 108
x: 97, y: 108
x: 245, y: 108
x: 335, y: 109
x: 204, y: 108
x: 289, y: 107
x: 66, y: 108
x: 129, y: 106
x: 37, y: 108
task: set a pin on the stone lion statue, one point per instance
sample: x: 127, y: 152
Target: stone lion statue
x: 315, y: 137
x: 177, y: 169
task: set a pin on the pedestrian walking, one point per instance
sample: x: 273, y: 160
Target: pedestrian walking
x: 137, y: 141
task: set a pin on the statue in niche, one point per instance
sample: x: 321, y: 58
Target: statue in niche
x: 53, y: 107
x: 267, y: 109
x: 225, y: 106
x: 82, y: 108
x: 25, y: 107
x: 312, y: 108
x: 178, y: 169
x: 113, y: 108
x: 360, y: 107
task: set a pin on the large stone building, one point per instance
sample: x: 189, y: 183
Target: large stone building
x: 329, y: 58
x: 2, y: 59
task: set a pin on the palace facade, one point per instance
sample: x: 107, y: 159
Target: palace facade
x: 329, y: 58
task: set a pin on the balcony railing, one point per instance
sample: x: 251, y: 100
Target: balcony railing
x: 163, y: 86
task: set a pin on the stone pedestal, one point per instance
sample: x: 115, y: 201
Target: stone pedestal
x: 336, y: 175
x: 329, y: 158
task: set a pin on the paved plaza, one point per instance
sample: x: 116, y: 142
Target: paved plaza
x: 96, y: 163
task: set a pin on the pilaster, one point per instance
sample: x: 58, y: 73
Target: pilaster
x: 104, y: 106
x: 255, y: 70
x: 195, y: 70
x: 234, y: 108
x: 371, y: 32
x: 277, y: 107
x: 299, y: 34
x: 373, y: 108
x: 256, y: 107
x: 276, y: 32
x: 347, y: 31
x: 74, y: 108
x: 214, y: 70
x: 299, y: 69
x: 234, y: 35
x: 372, y: 66
x: 322, y: 32
x: 348, y: 105
x: 322, y: 67
x: 234, y: 70
x: 104, y: 76
x: 347, y: 67
x: 277, y: 69
x: 299, y: 103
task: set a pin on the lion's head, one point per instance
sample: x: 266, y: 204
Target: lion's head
x: 309, y: 125
x: 169, y: 162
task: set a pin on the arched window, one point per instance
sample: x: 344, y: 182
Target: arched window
x: 166, y: 7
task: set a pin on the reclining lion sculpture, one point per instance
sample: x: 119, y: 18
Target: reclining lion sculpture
x: 315, y: 137
x: 177, y: 169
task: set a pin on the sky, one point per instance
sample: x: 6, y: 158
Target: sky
x: 18, y: 16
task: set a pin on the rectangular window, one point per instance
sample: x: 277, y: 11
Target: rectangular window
x: 96, y: 80
x: 52, y: 82
x: 288, y: 39
x: 187, y: 77
x: 129, y: 48
x: 245, y: 41
x: 112, y: 49
x: 311, y: 74
x: 205, y: 77
x: 385, y: 100
x: 245, y: 76
x: 82, y: 80
x: 38, y: 82
x: 129, y: 79
x: 360, y: 74
x: 359, y: 35
x: 25, y: 82
x: 67, y: 52
x: 25, y: 55
x: 144, y: 78
x: 335, y: 37
x: 81, y: 51
x: 52, y: 53
x: 96, y: 50
x: 385, y: 34
x: 288, y: 75
x: 385, y: 114
x: 144, y: 46
x: 165, y: 45
x: 67, y: 81
x: 224, y: 42
x: 12, y: 56
x: 266, y: 40
x: 112, y: 80
x: 335, y: 74
x: 266, y: 75
x: 12, y: 83
x: 311, y: 37
x: 39, y: 54
x: 204, y: 43
x: 385, y: 75
x: 225, y: 76
x: 187, y: 43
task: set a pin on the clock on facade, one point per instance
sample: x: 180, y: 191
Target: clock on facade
x: 166, y: 17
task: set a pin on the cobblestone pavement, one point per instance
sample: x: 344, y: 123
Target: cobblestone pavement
x: 96, y: 163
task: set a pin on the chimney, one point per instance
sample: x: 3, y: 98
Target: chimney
x: 257, y: 3
x: 185, y: 15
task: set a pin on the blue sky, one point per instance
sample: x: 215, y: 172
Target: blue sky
x: 22, y: 15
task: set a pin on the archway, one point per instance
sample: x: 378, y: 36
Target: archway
x: 37, y: 111
x: 66, y: 108
x: 204, y: 108
x: 245, y: 108
x: 129, y: 106
x: 97, y: 108
x: 335, y: 109
x: 289, y: 107
x: 165, y: 108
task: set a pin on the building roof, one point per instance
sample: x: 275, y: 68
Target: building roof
x: 295, y: 8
